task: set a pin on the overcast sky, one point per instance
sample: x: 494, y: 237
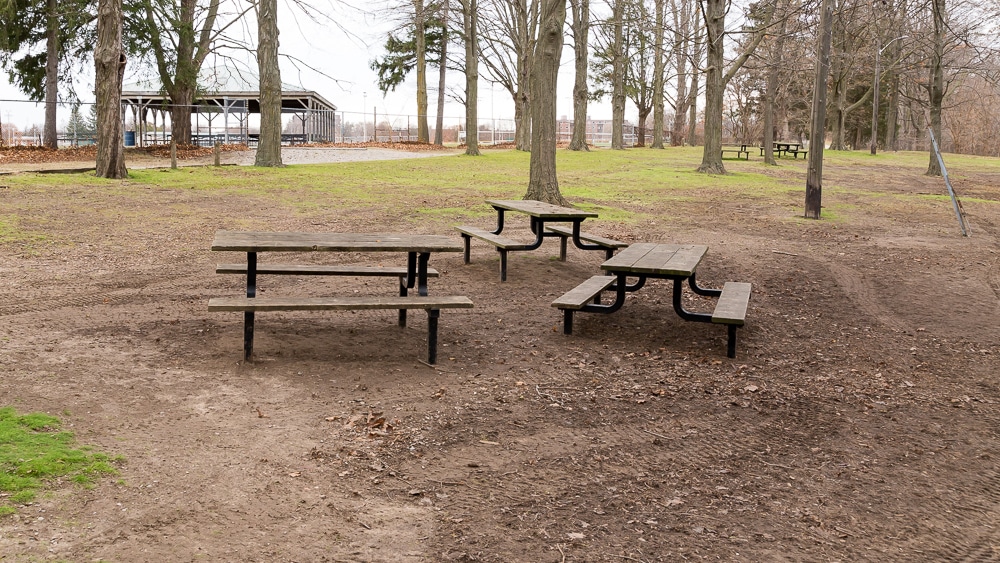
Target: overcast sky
x: 340, y: 73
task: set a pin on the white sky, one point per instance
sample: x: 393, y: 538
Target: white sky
x: 342, y: 75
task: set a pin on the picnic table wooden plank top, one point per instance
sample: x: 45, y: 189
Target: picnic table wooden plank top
x: 653, y: 258
x: 540, y: 209
x: 261, y: 241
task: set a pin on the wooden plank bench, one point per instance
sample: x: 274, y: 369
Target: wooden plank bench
x: 740, y: 153
x: 796, y: 152
x: 250, y: 305
x: 330, y: 270
x: 565, y: 233
x: 320, y: 270
x: 502, y: 244
x: 731, y: 310
x: 573, y: 300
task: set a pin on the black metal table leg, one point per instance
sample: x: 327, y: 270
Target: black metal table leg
x: 432, y: 334
x: 248, y: 315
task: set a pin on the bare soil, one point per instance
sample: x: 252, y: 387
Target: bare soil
x: 859, y: 421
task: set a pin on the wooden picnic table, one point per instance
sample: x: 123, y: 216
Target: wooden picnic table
x: 785, y: 147
x: 418, y: 248
x: 642, y: 261
x: 540, y: 213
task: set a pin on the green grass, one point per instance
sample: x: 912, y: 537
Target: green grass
x: 35, y: 455
x: 626, y: 187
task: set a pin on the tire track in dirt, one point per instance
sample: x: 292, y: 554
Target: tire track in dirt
x: 964, y: 533
x: 862, y: 293
x: 141, y: 287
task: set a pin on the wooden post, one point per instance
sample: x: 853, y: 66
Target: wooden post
x: 217, y: 153
x: 173, y: 153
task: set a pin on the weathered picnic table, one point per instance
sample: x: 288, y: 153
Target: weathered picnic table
x: 784, y: 147
x: 677, y: 262
x: 540, y: 213
x: 415, y: 273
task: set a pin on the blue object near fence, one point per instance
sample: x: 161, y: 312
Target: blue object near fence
x: 130, y: 138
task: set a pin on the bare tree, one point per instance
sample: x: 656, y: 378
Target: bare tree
x: 470, y: 15
x: 542, y: 182
x: 817, y: 138
x: 508, y: 42
x: 419, y: 19
x: 936, y: 87
x: 717, y: 76
x: 109, y: 62
x: 581, y: 50
x: 49, y: 138
x: 617, y: 56
x: 659, y: 60
x: 269, y: 146
x: 442, y: 74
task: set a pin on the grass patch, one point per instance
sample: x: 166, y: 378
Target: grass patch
x: 10, y: 231
x: 35, y: 455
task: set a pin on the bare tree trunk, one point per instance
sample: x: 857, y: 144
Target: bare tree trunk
x: 49, y: 136
x: 683, y: 48
x: 423, y: 135
x: 693, y: 91
x: 892, y: 114
x: 442, y: 70
x: 936, y: 87
x: 542, y: 183
x: 581, y: 50
x: 181, y: 103
x: 618, y: 77
x: 109, y: 62
x: 471, y: 19
x: 658, y: 77
x: 715, y: 24
x: 269, y: 146
x: 771, y: 96
x: 817, y: 135
x: 522, y: 117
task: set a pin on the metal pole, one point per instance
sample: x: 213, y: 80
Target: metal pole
x: 951, y: 192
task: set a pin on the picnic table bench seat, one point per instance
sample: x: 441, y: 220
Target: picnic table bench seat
x: 731, y: 310
x: 565, y: 233
x: 575, y: 299
x: 321, y: 270
x: 741, y: 152
x: 503, y: 245
x: 432, y: 304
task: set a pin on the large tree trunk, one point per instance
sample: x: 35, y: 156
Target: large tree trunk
x: 542, y: 183
x: 269, y: 146
x: 181, y: 105
x: 581, y: 50
x: 618, y: 77
x: 817, y: 135
x: 658, y: 77
x: 936, y: 87
x: 715, y: 24
x: 109, y: 63
x: 49, y: 135
x: 442, y: 71
x: 471, y: 20
x: 640, y: 128
x: 522, y: 117
x: 423, y: 134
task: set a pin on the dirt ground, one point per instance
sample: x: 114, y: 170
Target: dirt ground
x: 858, y: 422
